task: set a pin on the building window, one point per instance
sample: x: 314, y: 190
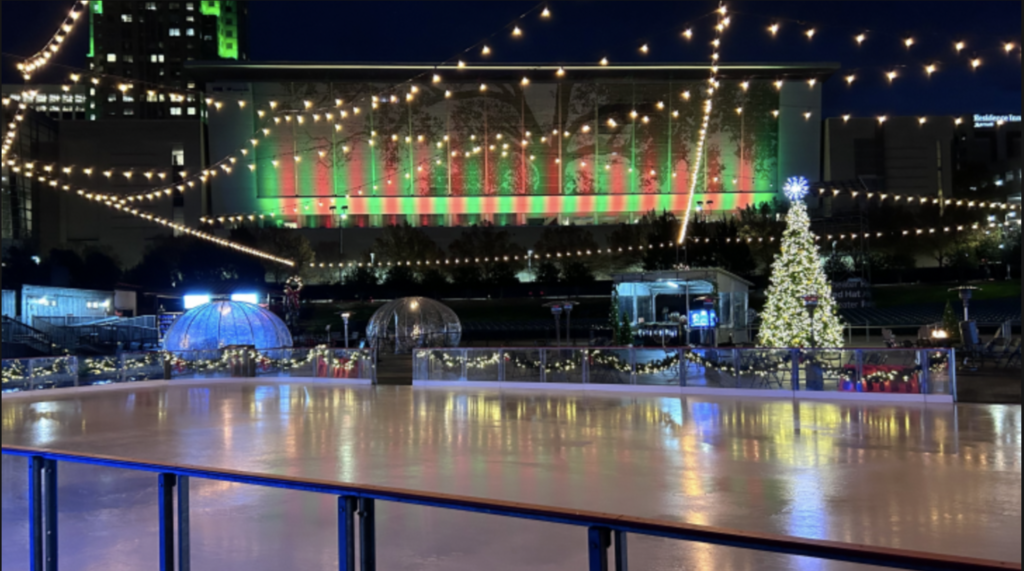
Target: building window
x: 112, y: 98
x: 176, y: 111
x: 128, y: 98
x: 190, y: 32
x: 178, y: 157
x: 151, y: 6
x: 129, y: 112
x: 112, y: 58
x: 129, y: 58
x: 174, y: 32
x: 126, y: 18
x: 190, y: 6
x: 191, y: 110
x: 151, y: 97
x: 190, y: 18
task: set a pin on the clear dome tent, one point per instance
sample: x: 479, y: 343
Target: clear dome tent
x: 412, y: 322
x: 226, y: 323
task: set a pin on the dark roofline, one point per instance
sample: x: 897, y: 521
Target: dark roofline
x: 397, y: 72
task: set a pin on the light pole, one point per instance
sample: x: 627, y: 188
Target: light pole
x: 345, y: 316
x: 567, y: 307
x: 556, y: 311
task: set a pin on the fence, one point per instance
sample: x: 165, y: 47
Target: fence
x: 61, y: 372
x: 926, y: 374
x: 357, y: 512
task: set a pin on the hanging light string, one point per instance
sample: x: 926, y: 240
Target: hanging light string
x: 387, y: 93
x: 705, y: 124
x: 584, y: 254
x: 99, y: 199
x: 810, y: 30
x: 12, y: 129
x: 911, y: 199
x: 38, y: 61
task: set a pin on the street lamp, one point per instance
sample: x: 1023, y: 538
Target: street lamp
x: 345, y: 316
x: 556, y: 311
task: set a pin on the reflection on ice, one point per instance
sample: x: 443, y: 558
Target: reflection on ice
x: 938, y: 479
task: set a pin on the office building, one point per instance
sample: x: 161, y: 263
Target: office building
x: 149, y: 43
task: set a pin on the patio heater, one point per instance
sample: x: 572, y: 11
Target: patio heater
x: 567, y: 307
x: 708, y: 335
x: 345, y: 316
x: 811, y: 303
x: 966, y: 292
x: 556, y: 311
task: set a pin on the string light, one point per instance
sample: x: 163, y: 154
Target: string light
x: 810, y: 33
x: 517, y: 32
x: 860, y: 38
x: 52, y: 47
x: 908, y: 42
x: 930, y: 69
x: 850, y: 79
x: 546, y: 13
x: 702, y: 138
x: 774, y: 29
x: 959, y: 46
x: 688, y: 33
x: 975, y: 63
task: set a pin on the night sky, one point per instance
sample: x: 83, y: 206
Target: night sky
x: 585, y: 31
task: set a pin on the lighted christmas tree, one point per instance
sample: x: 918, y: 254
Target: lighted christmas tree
x: 797, y: 273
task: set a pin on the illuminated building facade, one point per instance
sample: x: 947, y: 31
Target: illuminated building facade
x: 598, y: 146
x: 150, y: 42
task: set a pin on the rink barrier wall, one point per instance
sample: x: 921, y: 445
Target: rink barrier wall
x: 886, y: 375
x: 21, y: 375
x: 606, y: 545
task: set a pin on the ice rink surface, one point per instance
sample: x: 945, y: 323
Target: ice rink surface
x: 940, y: 479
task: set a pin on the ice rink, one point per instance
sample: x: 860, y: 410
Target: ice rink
x: 941, y: 479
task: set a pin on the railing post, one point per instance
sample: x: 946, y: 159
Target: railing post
x: 586, y: 366
x: 35, y: 512
x: 795, y: 355
x: 465, y: 364
x: 42, y: 506
x: 925, y: 371
x: 346, y: 533
x: 951, y: 363
x: 543, y: 365
x: 165, y: 486
x: 632, y: 365
x: 31, y: 375
x: 621, y: 552
x: 501, y: 365
x: 598, y: 541
x: 367, y: 535
x: 184, y: 534
x: 859, y: 364
x: 50, y: 509
x: 684, y: 366
x: 737, y: 371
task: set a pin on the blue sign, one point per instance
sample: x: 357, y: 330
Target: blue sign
x: 702, y: 318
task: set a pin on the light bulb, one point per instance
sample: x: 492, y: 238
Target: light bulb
x: 810, y: 33
x: 774, y: 29
x: 860, y: 39
x: 688, y: 33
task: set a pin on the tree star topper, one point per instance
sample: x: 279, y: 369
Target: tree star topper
x: 796, y: 188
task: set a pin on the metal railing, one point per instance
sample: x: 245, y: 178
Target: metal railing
x: 607, y: 538
x: 893, y: 371
x: 62, y: 372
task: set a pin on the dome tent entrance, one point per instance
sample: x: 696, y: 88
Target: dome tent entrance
x: 227, y: 323
x: 414, y: 322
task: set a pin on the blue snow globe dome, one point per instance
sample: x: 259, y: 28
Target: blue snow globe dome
x: 224, y: 323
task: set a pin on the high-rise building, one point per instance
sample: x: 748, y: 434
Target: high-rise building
x: 149, y: 43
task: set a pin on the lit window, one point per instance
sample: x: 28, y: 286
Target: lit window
x: 111, y: 58
x: 67, y: 99
x: 175, y: 110
x: 40, y: 99
x: 174, y: 32
x: 191, y: 110
x: 54, y: 98
x: 190, y: 18
x: 151, y: 97
x: 128, y: 98
x: 128, y: 58
x: 112, y: 97
x: 178, y: 157
x: 126, y: 18
x: 190, y: 32
x: 151, y: 6
x: 129, y: 111
x: 190, y: 6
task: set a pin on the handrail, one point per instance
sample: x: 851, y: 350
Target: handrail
x: 601, y: 524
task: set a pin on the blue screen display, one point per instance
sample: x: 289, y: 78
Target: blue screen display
x: 702, y: 318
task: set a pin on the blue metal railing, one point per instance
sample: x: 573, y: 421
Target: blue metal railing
x: 606, y: 543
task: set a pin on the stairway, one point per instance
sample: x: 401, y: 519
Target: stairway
x: 394, y: 370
